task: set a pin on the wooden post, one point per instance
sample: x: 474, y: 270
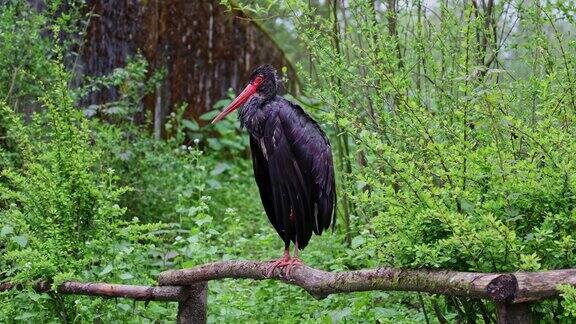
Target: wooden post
x: 192, y: 306
x: 508, y: 313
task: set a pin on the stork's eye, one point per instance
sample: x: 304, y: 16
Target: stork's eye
x: 258, y: 80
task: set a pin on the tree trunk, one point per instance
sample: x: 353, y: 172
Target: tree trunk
x: 204, y: 48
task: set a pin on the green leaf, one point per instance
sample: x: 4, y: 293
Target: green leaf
x: 125, y: 276
x: 20, y: 240
x: 106, y: 270
x: 7, y: 229
x: 188, y: 264
x: 214, y: 184
x: 203, y: 219
x: 358, y: 241
x: 385, y: 312
x: 219, y: 168
x: 190, y: 124
x: 210, y: 115
x: 24, y: 316
x: 221, y: 103
x: 115, y: 110
x: 124, y: 307
x: 214, y: 143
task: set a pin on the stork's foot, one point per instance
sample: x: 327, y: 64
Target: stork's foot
x: 280, y: 263
x: 294, y: 262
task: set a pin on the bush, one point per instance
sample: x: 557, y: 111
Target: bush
x: 60, y: 213
x: 454, y: 144
x: 463, y: 126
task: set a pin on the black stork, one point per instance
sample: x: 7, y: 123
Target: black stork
x: 292, y: 163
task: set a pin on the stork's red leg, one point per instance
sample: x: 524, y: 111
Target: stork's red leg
x: 280, y: 263
x: 294, y: 261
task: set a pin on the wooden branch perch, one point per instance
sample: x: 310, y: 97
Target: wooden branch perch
x: 167, y: 293
x: 510, y: 288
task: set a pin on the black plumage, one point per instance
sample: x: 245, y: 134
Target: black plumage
x: 293, y: 168
x: 292, y: 160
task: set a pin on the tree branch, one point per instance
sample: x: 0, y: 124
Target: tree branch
x: 510, y: 288
x: 167, y: 293
x: 321, y: 283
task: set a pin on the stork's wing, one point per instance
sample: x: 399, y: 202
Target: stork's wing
x: 262, y: 176
x: 314, y: 154
x: 301, y: 172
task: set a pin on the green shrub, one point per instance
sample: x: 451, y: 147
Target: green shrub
x: 20, y: 28
x: 462, y: 120
x: 454, y: 146
x: 60, y: 213
x: 61, y: 219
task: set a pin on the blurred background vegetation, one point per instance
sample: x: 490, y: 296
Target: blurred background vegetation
x: 452, y: 123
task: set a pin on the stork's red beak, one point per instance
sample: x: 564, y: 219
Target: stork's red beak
x: 239, y: 101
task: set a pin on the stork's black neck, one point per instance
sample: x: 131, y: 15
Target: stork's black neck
x: 254, y: 113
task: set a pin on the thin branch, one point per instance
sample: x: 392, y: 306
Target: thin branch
x: 421, y: 300
x: 12, y: 82
x: 438, y: 312
x: 167, y: 293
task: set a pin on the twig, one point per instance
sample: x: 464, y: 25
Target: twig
x: 421, y: 300
x: 12, y: 82
x: 438, y: 312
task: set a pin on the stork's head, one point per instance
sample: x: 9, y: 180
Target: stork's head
x: 263, y: 83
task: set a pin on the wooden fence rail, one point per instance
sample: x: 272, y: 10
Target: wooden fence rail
x: 512, y: 292
x: 191, y: 298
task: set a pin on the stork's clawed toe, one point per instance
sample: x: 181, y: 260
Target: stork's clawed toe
x: 294, y: 262
x: 280, y: 263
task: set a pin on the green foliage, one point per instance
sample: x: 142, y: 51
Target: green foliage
x: 569, y: 302
x: 452, y: 129
x: 470, y: 170
x: 228, y: 139
x: 160, y: 174
x: 60, y: 218
x: 20, y: 28
x: 60, y: 213
x: 225, y: 138
x: 462, y: 118
x: 133, y: 84
x: 54, y: 197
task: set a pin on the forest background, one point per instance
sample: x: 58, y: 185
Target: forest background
x: 452, y: 123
